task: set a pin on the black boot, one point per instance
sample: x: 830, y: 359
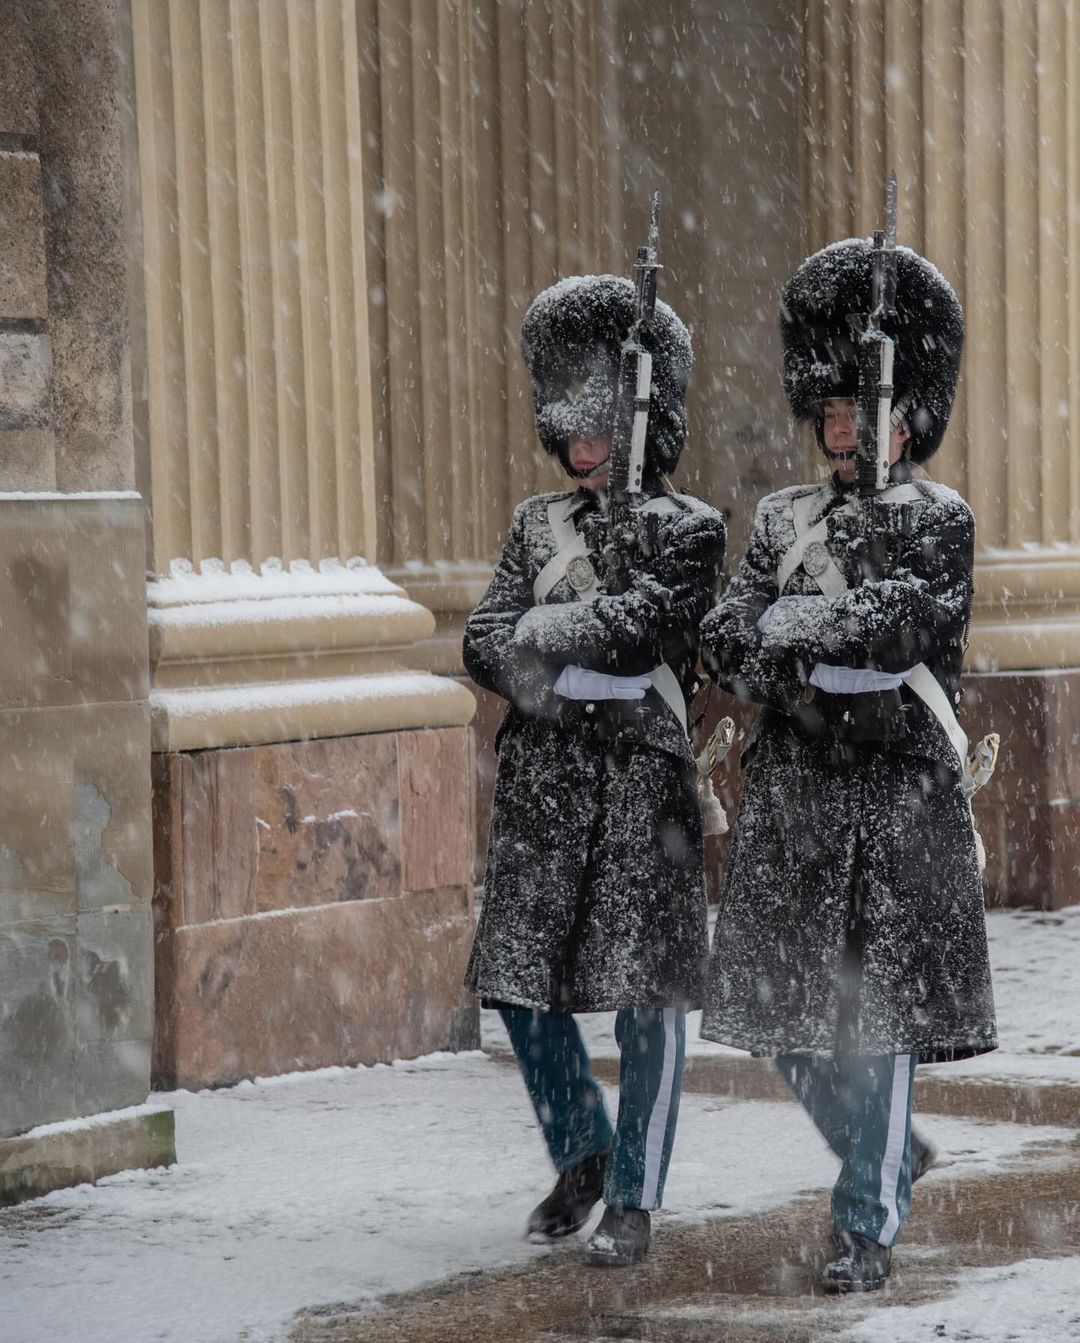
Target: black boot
x: 923, y: 1155
x: 621, y: 1239
x: 567, y: 1207
x: 862, y: 1265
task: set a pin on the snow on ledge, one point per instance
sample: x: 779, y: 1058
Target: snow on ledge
x: 208, y: 701
x: 76, y: 497
x: 245, y: 610
x: 214, y: 582
x: 83, y: 1122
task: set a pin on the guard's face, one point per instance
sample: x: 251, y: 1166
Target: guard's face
x: 586, y: 454
x: 840, y: 432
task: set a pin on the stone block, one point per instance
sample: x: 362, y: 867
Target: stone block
x: 27, y: 459
x: 354, y: 982
x: 37, y: 1023
x: 437, y: 823
x: 112, y: 1075
x: 35, y: 604
x: 111, y: 810
x: 25, y: 377
x: 84, y: 107
x: 328, y: 819
x: 37, y: 801
x: 114, y: 978
x: 110, y: 661
x: 81, y: 1153
x: 219, y: 837
x: 18, y: 83
x: 72, y: 601
x: 23, y: 291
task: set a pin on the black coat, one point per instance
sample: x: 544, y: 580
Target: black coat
x: 594, y: 895
x: 852, y: 913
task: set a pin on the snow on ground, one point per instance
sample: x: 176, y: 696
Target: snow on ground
x: 344, y: 1184
x: 1035, y: 958
x: 1035, y: 1301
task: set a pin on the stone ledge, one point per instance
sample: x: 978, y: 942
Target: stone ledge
x: 200, y: 719
x: 83, y: 1151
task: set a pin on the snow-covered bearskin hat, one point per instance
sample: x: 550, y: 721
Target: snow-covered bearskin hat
x: 821, y: 353
x: 571, y: 339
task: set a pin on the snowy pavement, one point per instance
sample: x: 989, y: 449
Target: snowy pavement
x: 347, y: 1184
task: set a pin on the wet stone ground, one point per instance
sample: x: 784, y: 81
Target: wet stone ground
x: 754, y: 1279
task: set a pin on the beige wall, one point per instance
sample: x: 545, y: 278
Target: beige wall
x: 975, y: 104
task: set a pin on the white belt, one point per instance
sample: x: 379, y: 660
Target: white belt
x: 832, y: 583
x: 569, y: 546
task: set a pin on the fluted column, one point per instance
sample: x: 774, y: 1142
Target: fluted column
x: 266, y: 612
x: 485, y: 155
x: 975, y: 104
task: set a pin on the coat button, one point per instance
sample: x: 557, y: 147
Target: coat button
x: 590, y: 708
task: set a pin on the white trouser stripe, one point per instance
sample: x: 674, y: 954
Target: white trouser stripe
x: 654, y: 1137
x: 894, y: 1147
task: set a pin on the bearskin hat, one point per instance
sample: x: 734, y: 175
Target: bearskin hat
x: 571, y: 339
x: 821, y: 352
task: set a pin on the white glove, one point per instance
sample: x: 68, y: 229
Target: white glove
x: 763, y: 619
x: 854, y: 680
x: 580, y: 683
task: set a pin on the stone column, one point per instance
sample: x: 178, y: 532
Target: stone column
x: 76, y: 949
x: 978, y: 104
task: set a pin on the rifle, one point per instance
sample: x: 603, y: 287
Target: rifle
x: 877, y: 717
x: 632, y: 416
x: 876, y: 352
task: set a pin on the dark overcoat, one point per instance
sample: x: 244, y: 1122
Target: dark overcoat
x: 851, y: 919
x: 594, y: 894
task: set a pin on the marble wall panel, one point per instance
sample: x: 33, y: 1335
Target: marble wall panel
x: 328, y: 818
x: 353, y: 982
x: 437, y: 821
x: 220, y: 842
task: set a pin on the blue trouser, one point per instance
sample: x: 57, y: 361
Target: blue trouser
x: 569, y: 1103
x: 862, y: 1107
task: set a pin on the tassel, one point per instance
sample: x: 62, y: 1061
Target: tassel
x: 713, y: 816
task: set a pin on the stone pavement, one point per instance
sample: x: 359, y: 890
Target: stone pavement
x: 753, y: 1279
